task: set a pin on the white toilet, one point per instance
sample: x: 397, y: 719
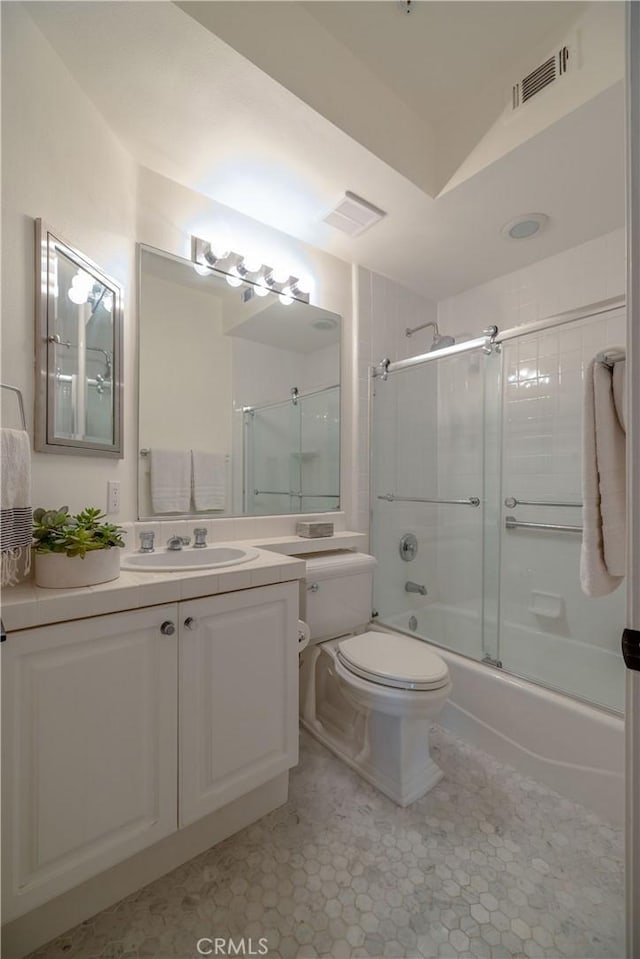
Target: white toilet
x: 370, y: 696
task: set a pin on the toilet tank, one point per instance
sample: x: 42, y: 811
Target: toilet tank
x: 336, y: 596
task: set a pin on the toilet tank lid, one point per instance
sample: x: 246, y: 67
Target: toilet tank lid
x: 338, y: 563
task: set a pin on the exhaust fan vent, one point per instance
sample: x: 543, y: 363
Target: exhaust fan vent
x: 353, y: 215
x: 548, y: 72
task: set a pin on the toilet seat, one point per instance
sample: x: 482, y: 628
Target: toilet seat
x: 389, y: 659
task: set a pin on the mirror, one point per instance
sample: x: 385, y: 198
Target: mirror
x: 239, y: 397
x: 78, y: 352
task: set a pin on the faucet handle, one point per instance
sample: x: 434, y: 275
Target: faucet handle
x: 200, y: 537
x: 146, y: 541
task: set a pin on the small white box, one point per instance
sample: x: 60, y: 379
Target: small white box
x: 314, y: 530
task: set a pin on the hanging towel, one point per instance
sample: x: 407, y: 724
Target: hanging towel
x: 170, y: 480
x: 209, y: 476
x: 15, y: 505
x: 602, y: 558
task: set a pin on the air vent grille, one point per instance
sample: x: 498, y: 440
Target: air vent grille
x: 353, y: 215
x: 552, y: 69
x: 538, y: 79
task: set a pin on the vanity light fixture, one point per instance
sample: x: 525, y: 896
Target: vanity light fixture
x: 239, y: 269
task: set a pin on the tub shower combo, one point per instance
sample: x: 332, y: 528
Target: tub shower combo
x: 476, y: 526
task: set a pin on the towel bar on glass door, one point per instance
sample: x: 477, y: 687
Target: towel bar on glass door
x: 512, y: 523
x: 289, y: 492
x: 392, y: 498
x: 511, y: 502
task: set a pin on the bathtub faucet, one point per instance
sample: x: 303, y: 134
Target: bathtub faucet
x: 415, y: 588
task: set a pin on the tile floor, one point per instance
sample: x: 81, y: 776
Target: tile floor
x: 489, y: 864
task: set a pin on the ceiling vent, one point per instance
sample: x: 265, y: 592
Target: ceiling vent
x: 353, y: 215
x: 547, y: 73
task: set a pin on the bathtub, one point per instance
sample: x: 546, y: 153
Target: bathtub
x: 572, y: 747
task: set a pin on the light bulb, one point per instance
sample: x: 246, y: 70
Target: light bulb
x: 304, y: 284
x: 82, y: 281
x: 233, y: 279
x: 278, y: 275
x: 78, y: 295
x: 261, y: 290
x: 201, y: 269
x: 285, y: 297
x: 251, y: 264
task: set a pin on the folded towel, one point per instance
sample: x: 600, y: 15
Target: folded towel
x: 209, y: 477
x: 15, y: 505
x: 603, y: 554
x: 170, y: 480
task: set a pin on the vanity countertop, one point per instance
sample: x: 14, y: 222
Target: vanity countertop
x: 26, y: 605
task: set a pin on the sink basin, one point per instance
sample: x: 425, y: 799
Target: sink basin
x: 167, y: 561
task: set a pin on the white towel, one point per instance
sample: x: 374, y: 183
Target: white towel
x: 170, y: 480
x: 209, y: 476
x: 15, y: 505
x: 602, y: 558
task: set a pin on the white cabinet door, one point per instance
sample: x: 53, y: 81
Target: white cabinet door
x: 238, y: 695
x: 90, y: 749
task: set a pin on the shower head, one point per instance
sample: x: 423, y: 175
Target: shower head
x: 440, y: 341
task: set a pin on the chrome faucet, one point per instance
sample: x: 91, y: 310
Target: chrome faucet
x: 177, y: 542
x: 146, y: 541
x: 199, y: 537
x: 415, y: 588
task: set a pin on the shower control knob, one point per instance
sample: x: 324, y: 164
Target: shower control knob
x: 190, y: 623
x: 168, y: 628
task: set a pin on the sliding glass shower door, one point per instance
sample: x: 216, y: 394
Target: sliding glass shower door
x: 428, y: 488
x: 476, y: 509
x: 292, y: 455
x: 549, y: 630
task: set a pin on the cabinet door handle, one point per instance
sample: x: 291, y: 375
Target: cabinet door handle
x: 168, y: 628
x: 313, y: 587
x: 190, y: 623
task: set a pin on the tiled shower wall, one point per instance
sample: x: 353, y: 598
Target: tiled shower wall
x: 584, y: 274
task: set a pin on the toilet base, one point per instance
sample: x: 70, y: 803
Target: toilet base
x: 381, y: 734
x: 403, y: 793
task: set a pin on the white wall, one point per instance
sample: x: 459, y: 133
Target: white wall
x: 61, y: 163
x: 584, y: 274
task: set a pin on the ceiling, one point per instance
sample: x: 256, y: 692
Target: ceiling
x: 190, y: 107
x: 433, y: 57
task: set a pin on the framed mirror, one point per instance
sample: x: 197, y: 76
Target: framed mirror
x: 239, y: 397
x: 78, y: 352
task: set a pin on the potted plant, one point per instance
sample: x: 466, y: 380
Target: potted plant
x: 77, y: 550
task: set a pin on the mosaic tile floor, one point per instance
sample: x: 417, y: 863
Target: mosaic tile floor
x: 489, y: 864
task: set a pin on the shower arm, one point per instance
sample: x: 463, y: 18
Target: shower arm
x: 423, y: 326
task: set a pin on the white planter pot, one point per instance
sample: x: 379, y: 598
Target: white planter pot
x: 58, y: 571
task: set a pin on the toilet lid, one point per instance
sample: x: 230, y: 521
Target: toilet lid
x: 393, y: 660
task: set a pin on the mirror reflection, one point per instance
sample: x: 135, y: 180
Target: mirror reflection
x: 78, y: 353
x: 239, y: 397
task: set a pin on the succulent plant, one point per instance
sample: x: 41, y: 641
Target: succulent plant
x: 55, y: 531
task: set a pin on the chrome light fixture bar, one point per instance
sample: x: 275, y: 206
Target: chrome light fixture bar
x: 238, y: 269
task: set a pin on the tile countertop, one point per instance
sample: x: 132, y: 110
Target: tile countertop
x: 26, y: 605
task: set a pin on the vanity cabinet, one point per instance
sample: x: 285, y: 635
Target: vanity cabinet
x: 119, y: 729
x: 89, y: 749
x: 238, y: 695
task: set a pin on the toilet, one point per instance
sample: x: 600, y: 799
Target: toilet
x: 369, y: 695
